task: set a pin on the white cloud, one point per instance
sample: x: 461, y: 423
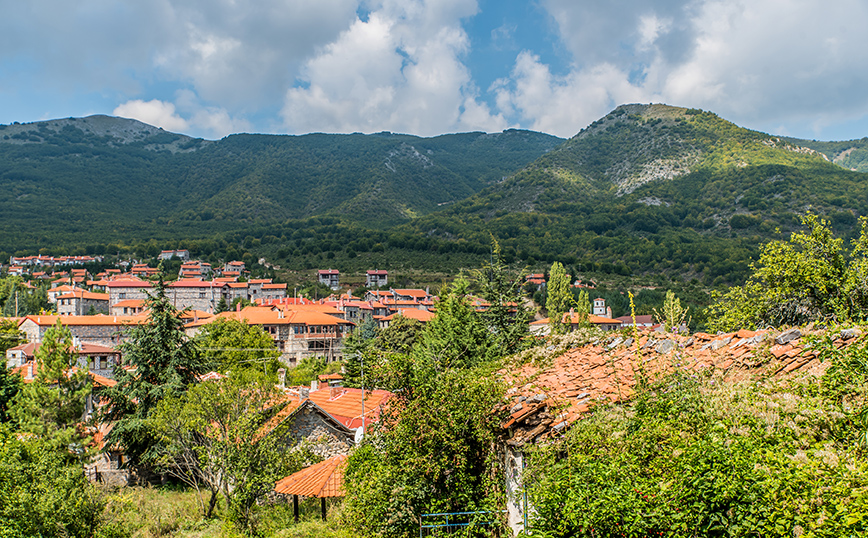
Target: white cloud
x: 186, y: 115
x: 399, y: 70
x: 762, y: 64
x: 154, y: 112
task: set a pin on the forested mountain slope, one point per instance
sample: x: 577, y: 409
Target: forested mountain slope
x: 650, y: 188
x: 647, y: 189
x: 102, y: 178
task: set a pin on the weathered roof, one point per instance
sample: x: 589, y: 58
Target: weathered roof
x: 324, y: 479
x: 99, y: 319
x: 545, y: 399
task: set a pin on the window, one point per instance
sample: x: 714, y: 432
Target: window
x: 201, y: 294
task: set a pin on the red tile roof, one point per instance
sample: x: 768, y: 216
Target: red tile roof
x: 99, y: 319
x: 84, y: 294
x: 544, y: 399
x: 325, y: 479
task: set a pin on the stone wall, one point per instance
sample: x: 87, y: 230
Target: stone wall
x: 321, y: 436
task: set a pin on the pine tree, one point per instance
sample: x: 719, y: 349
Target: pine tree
x: 506, y: 316
x: 52, y: 405
x: 159, y: 362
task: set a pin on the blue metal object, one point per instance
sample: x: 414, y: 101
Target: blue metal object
x: 451, y: 526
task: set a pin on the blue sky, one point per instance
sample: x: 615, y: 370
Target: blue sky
x: 214, y: 67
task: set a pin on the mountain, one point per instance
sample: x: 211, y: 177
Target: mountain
x: 656, y: 188
x: 100, y: 178
x: 645, y: 190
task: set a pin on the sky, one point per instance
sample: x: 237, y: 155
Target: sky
x: 210, y: 68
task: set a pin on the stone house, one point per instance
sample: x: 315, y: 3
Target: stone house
x: 195, y: 294
x: 297, y: 334
x: 121, y: 290
x: 101, y: 330
x: 327, y: 419
x: 329, y: 277
x: 99, y: 360
x: 81, y: 302
x: 376, y: 278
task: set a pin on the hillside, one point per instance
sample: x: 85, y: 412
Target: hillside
x: 645, y: 190
x: 102, y: 179
x: 653, y: 188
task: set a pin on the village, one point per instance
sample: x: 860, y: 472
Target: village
x: 552, y: 374
x: 98, y: 309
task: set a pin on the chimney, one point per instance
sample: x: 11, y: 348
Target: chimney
x: 608, y: 311
x: 314, y: 385
x: 334, y: 392
x: 304, y: 393
x: 281, y: 377
x: 238, y: 307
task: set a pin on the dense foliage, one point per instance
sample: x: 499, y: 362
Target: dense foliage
x: 159, y: 362
x: 694, y: 457
x: 42, y: 493
x: 807, y: 279
x: 233, y: 345
x: 434, y: 448
x: 215, y: 440
x: 51, y: 405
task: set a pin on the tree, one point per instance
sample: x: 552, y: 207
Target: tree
x: 159, y: 362
x: 673, y: 316
x: 231, y: 344
x: 506, y: 316
x: 52, y: 405
x: 214, y: 437
x: 806, y: 279
x: 456, y: 337
x: 43, y: 494
x: 222, y: 306
x: 9, y: 384
x: 558, y: 298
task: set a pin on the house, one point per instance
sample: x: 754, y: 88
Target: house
x: 195, y: 294
x: 376, y: 278
x: 329, y: 277
x: 327, y: 418
x: 57, y: 291
x: 416, y: 295
x: 547, y: 397
x: 99, y: 360
x: 128, y: 307
x: 101, y: 330
x: 297, y: 333
x: 182, y: 254
x: 81, y: 302
x: 121, y: 290
x: 235, y: 267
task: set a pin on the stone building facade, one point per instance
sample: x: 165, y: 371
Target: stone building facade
x: 108, y: 331
x: 82, y: 302
x: 319, y: 432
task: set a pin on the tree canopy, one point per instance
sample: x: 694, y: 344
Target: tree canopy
x: 808, y: 278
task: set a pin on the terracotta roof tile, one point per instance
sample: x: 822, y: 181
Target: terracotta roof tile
x: 606, y: 370
x: 325, y: 479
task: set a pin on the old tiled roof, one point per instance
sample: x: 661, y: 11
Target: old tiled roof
x: 84, y: 294
x: 544, y: 400
x: 99, y: 319
x: 325, y: 479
